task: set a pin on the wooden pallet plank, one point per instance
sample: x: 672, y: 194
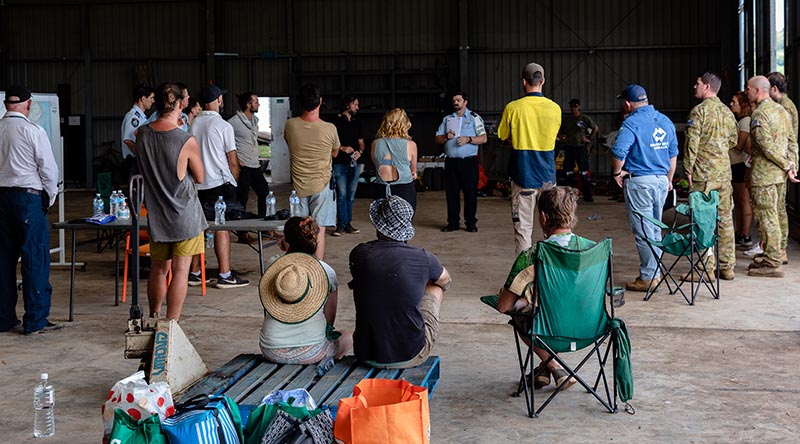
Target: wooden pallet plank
x: 277, y: 381
x: 304, y: 379
x: 250, y: 381
x: 331, y: 380
x: 219, y: 380
x: 425, y: 374
x: 345, y: 388
x: 386, y: 373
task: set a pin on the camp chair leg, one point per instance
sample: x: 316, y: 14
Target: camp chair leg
x: 522, y: 367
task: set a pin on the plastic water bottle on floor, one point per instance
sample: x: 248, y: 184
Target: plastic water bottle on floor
x: 271, y: 201
x: 44, y: 421
x: 97, y: 206
x: 219, y: 211
x: 294, y: 204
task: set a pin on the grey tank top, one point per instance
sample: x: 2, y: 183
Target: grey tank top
x: 174, y: 212
x: 398, y: 148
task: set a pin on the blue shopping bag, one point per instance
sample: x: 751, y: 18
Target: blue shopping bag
x: 205, y: 419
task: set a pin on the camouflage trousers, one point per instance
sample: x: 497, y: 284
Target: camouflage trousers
x: 783, y: 215
x: 727, y: 237
x: 766, y: 210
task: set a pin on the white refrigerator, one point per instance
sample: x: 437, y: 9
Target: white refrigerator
x: 273, y: 112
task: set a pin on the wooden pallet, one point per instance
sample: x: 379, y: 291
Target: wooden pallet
x: 248, y: 378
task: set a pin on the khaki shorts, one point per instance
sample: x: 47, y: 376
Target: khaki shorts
x: 429, y: 308
x: 162, y: 251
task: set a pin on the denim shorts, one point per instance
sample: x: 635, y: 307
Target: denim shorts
x: 321, y: 206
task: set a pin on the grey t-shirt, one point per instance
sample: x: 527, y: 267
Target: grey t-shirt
x: 245, y: 132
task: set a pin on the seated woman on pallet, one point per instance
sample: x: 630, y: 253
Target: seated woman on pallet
x: 300, y: 294
x: 557, y: 216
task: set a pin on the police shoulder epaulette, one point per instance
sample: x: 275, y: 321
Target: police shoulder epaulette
x: 474, y: 114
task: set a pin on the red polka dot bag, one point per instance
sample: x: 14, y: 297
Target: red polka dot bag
x: 137, y: 398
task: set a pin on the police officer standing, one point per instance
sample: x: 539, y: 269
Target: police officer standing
x: 578, y: 131
x: 461, y: 133
x: 143, y: 98
x: 28, y: 187
x: 710, y: 132
x: 773, y: 140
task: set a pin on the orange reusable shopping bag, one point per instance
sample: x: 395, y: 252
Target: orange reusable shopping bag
x: 384, y: 411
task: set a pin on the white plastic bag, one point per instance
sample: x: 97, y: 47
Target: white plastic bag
x: 138, y: 399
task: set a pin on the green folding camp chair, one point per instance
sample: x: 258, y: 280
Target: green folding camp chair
x: 696, y: 241
x: 573, y: 293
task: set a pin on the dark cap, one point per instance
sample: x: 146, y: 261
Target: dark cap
x: 19, y: 92
x: 633, y: 93
x: 209, y: 93
x: 530, y: 70
x: 575, y: 102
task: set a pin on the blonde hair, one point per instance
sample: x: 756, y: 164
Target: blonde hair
x: 395, y: 124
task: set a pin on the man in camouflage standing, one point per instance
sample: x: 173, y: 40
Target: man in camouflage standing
x: 773, y: 141
x: 777, y: 92
x: 710, y: 132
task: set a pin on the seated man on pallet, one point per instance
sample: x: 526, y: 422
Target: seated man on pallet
x: 557, y: 207
x: 397, y: 290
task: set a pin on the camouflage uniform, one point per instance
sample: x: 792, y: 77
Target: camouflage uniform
x: 788, y: 105
x: 710, y: 132
x: 773, y: 146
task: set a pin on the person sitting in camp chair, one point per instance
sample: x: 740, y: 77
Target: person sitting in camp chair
x: 557, y: 216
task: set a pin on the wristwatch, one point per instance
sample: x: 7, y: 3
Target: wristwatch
x: 470, y: 139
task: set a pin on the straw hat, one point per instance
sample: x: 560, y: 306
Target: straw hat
x: 294, y: 288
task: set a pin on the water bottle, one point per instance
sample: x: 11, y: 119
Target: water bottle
x: 97, y: 206
x: 271, y: 204
x: 209, y: 239
x: 112, y: 203
x: 123, y: 212
x: 219, y: 211
x: 353, y: 161
x: 44, y: 421
x: 294, y: 204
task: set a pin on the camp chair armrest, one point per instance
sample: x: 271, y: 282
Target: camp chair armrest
x: 683, y: 209
x: 655, y: 222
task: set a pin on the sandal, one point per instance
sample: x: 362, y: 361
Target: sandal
x: 561, y: 375
x: 541, y: 378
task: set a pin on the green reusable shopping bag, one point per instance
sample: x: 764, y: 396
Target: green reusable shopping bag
x: 130, y: 431
x: 260, y: 418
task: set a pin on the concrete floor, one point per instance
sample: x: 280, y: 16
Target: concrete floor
x: 720, y: 371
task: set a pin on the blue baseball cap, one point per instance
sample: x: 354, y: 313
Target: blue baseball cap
x: 633, y: 93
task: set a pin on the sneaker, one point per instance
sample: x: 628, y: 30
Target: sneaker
x: 350, y: 229
x: 640, y: 284
x: 197, y: 280
x: 339, y: 231
x: 745, y: 241
x: 231, y: 281
x: 754, y: 250
x: 46, y: 329
x: 764, y: 271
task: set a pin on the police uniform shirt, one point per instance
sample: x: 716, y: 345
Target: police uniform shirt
x: 130, y: 123
x: 471, y: 126
x: 26, y: 157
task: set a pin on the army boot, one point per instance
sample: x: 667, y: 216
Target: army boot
x: 765, y: 271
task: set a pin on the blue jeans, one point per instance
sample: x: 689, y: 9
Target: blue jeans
x: 346, y: 182
x: 645, y: 194
x: 25, y: 231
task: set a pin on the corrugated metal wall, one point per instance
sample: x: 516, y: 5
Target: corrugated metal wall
x: 391, y: 53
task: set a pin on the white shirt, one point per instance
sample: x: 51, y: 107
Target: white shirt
x: 216, y: 140
x: 133, y: 120
x: 26, y: 157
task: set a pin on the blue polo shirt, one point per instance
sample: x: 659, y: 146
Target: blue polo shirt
x: 471, y: 126
x: 646, y: 142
